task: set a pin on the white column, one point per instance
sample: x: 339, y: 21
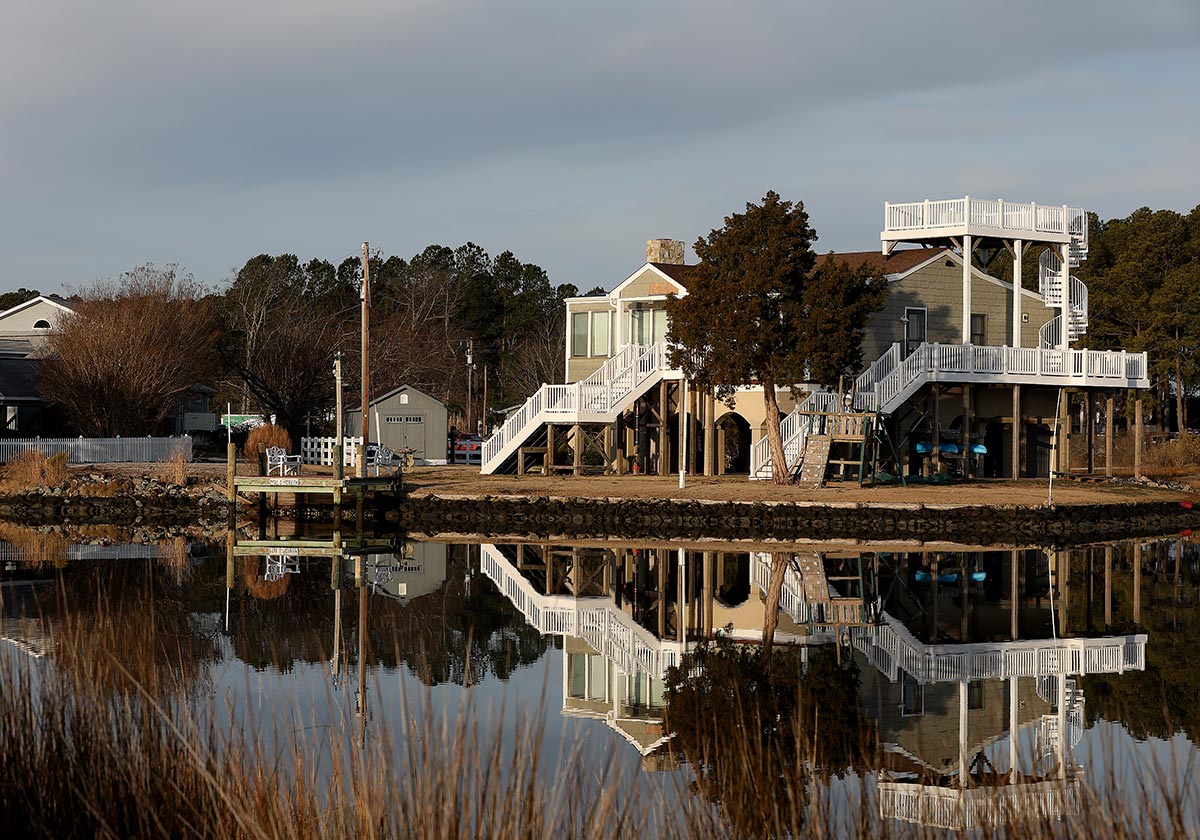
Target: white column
x: 1013, y: 723
x: 1064, y: 340
x: 962, y: 734
x: 967, y: 248
x: 1062, y: 723
x: 1018, y: 252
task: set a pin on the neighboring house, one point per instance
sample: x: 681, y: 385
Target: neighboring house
x: 406, y: 418
x: 30, y: 322
x: 970, y: 361
x: 193, y: 414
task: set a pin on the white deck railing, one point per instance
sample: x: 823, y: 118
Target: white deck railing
x: 83, y: 450
x: 891, y: 648
x: 986, y: 213
x: 885, y: 387
x: 598, y: 621
x: 592, y: 400
x: 989, y: 806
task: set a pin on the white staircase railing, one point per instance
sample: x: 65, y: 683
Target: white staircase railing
x: 595, y: 399
x: 955, y: 363
x: 992, y: 213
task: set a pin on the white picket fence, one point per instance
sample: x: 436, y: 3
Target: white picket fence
x: 83, y: 450
x: 319, y: 450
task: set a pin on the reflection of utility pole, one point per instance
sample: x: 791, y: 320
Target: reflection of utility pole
x: 362, y: 651
x: 470, y: 383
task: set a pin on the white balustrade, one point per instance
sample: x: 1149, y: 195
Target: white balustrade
x: 990, y: 213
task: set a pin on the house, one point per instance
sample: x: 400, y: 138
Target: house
x: 27, y: 324
x: 962, y: 369
x: 406, y: 418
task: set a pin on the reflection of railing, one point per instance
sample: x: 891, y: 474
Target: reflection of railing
x: 890, y: 648
x: 598, y: 621
x: 963, y: 810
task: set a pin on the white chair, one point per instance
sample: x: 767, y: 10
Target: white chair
x: 281, y: 463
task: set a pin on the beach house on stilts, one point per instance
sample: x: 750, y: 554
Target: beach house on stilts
x: 964, y: 370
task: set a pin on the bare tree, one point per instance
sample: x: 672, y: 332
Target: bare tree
x: 121, y: 362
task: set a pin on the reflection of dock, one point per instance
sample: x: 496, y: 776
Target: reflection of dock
x: 301, y: 547
x: 973, y: 808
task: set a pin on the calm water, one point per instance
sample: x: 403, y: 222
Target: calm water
x: 1085, y: 662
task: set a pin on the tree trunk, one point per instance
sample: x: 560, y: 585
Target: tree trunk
x: 1179, y: 415
x: 779, y: 564
x: 779, y: 465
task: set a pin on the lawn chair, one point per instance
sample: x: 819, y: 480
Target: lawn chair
x: 281, y: 463
x: 377, y: 457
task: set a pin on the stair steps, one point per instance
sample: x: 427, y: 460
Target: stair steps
x: 814, y: 462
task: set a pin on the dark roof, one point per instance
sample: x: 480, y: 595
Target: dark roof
x: 18, y: 379
x: 897, y: 262
x: 676, y: 272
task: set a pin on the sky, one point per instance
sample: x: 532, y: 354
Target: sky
x: 568, y: 132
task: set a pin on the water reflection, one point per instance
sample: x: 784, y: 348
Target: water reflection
x: 978, y: 675
x: 971, y: 663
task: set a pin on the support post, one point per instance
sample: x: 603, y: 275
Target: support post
x: 1108, y: 435
x: 964, y: 431
x: 1063, y: 334
x: 1018, y: 253
x: 935, y: 444
x: 577, y: 448
x: 1015, y: 596
x: 1014, y: 702
x: 619, y: 434
x: 1064, y: 433
x: 1137, y: 585
x: 710, y: 433
x: 1139, y: 431
x: 1088, y: 408
x: 1016, y: 431
x: 548, y: 461
x: 962, y: 734
x: 664, y: 456
x: 1108, y: 564
x: 967, y: 248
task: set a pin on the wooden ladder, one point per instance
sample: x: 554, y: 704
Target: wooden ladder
x: 810, y: 472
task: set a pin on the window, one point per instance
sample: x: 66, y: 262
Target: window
x: 641, y: 326
x: 404, y: 399
x: 599, y: 333
x: 975, y: 695
x: 914, y: 329
x: 979, y: 329
x: 660, y: 325
x: 579, y: 334
x: 913, y: 698
x: 43, y: 324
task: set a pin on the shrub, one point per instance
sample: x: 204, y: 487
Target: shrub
x: 32, y: 468
x: 260, y: 437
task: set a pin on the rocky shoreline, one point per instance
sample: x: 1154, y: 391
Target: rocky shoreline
x: 148, y: 501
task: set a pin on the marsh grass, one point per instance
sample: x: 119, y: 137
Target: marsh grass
x: 32, y: 469
x: 126, y: 744
x: 173, y: 470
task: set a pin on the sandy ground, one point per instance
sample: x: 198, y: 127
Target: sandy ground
x: 466, y: 481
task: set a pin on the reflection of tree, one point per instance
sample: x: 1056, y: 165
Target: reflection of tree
x: 790, y: 723
x: 1161, y: 700
x: 132, y: 615
x: 430, y: 634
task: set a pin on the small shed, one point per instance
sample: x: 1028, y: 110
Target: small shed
x: 406, y: 418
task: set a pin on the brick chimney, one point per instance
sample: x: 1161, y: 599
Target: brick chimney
x: 668, y: 251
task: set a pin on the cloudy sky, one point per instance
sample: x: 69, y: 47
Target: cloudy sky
x: 567, y: 131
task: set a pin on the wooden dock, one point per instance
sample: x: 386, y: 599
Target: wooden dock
x: 313, y: 484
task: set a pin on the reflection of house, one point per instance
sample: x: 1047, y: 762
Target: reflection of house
x: 979, y: 358
x: 406, y: 418
x: 417, y: 570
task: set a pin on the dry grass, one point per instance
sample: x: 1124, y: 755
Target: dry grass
x: 268, y: 434
x: 31, y: 469
x: 173, y: 470
x: 39, y: 548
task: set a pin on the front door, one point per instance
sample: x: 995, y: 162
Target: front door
x: 915, y: 321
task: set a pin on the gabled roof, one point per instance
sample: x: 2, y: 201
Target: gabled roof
x: 897, y: 262
x: 53, y: 300
x: 380, y: 397
x: 662, y: 270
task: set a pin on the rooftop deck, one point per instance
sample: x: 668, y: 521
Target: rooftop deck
x: 922, y: 221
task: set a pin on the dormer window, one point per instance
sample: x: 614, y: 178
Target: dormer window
x: 42, y: 325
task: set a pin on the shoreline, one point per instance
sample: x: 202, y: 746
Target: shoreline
x: 444, y: 501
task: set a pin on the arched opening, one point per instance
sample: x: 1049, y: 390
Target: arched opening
x: 733, y: 443
x: 42, y: 324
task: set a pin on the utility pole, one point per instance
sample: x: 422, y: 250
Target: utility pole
x: 483, y: 410
x: 339, y: 440
x: 470, y: 384
x: 366, y: 359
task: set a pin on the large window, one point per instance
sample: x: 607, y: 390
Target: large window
x: 579, y: 334
x: 589, y: 333
x: 647, y: 326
